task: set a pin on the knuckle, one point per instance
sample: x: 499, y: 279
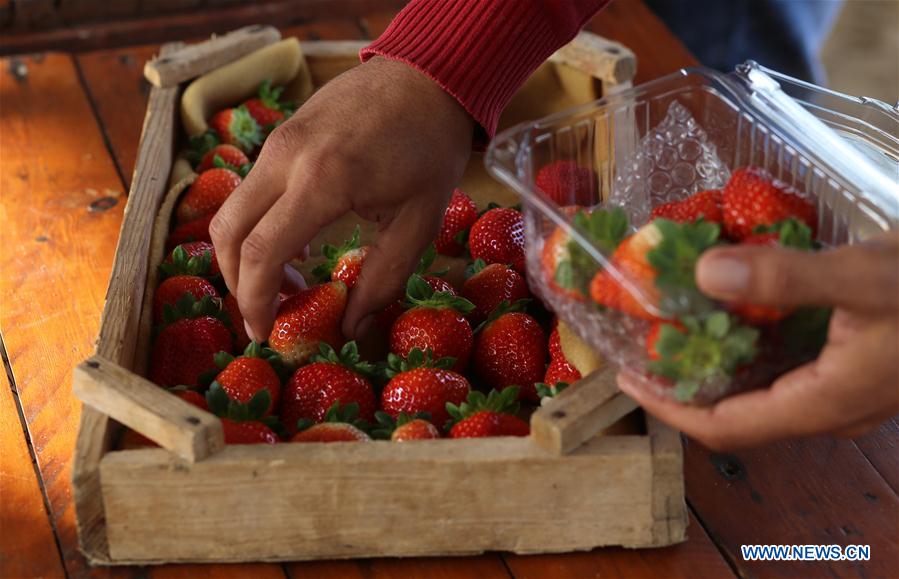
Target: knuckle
x: 283, y: 140
x: 220, y: 230
x: 775, y: 278
x: 254, y: 249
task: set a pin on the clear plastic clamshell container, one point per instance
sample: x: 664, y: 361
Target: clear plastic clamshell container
x: 685, y: 133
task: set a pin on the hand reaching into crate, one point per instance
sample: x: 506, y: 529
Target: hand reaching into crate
x: 850, y: 388
x: 381, y: 140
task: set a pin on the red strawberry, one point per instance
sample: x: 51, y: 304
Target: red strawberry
x: 186, y: 348
x: 265, y: 109
x: 342, y: 263
x: 460, y: 215
x: 567, y: 183
x: 436, y: 322
x: 237, y: 127
x: 173, y: 289
x: 568, y: 267
x: 192, y: 258
x: 560, y: 370
x: 389, y: 315
x: 555, y: 342
x: 752, y: 198
x: 207, y: 193
x: 249, y: 432
x: 330, y: 378
x: 498, y: 237
x: 492, y: 415
x: 705, y: 204
x: 790, y: 233
x: 245, y: 376
x: 490, y: 285
x: 229, y: 155
x: 420, y: 384
x: 340, y: 425
x: 307, y: 318
x: 192, y: 397
x: 235, y: 322
x: 404, y: 427
x: 510, y: 350
x: 659, y: 261
x: 196, y: 230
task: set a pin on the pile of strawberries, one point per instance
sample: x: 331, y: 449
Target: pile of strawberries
x: 692, y: 343
x: 455, y: 361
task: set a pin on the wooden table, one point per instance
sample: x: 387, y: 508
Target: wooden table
x: 69, y: 128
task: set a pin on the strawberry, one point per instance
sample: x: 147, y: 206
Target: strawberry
x: 207, y: 193
x: 173, y: 289
x: 489, y: 285
x: 568, y: 267
x: 510, y: 350
x: 555, y: 342
x: 436, y: 322
x: 237, y: 127
x: 386, y: 317
x: 228, y: 154
x: 752, y: 198
x: 340, y: 425
x: 790, y: 233
x: 460, y: 215
x: 307, y: 318
x: 243, y: 377
x: 705, y: 352
x: 659, y: 261
x: 566, y: 183
x: 492, y: 415
x: 342, y: 263
x: 265, y: 108
x: 330, y: 378
x: 560, y: 370
x: 235, y: 322
x: 196, y: 230
x: 705, y: 204
x: 421, y: 384
x: 186, y: 347
x: 243, y: 423
x: 193, y: 258
x: 498, y: 237
x: 404, y: 427
x: 191, y: 397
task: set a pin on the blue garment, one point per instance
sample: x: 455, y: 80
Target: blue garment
x: 784, y: 35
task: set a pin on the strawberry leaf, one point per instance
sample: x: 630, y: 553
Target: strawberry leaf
x: 605, y: 229
x: 550, y: 391
x: 420, y: 294
x: 199, y: 145
x: 674, y: 260
x: 333, y: 254
x: 184, y: 264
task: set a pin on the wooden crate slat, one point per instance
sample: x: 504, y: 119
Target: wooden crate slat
x: 31, y: 550
x: 791, y: 490
x: 61, y: 208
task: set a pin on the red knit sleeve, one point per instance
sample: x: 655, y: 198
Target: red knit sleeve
x: 481, y: 51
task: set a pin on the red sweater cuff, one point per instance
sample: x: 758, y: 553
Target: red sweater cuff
x: 481, y: 51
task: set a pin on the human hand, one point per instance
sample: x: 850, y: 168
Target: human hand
x: 850, y: 388
x: 381, y: 140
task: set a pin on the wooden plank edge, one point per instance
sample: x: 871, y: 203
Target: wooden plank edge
x: 580, y: 412
x: 94, y: 440
x: 197, y: 59
x: 669, y: 506
x: 607, y: 60
x: 190, y: 432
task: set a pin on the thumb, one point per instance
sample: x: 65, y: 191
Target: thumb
x: 855, y: 277
x: 389, y: 263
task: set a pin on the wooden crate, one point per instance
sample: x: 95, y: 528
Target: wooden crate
x: 563, y: 489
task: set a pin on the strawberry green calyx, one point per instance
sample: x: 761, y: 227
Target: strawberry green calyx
x: 220, y: 163
x: 427, y: 260
x: 253, y: 350
x: 504, y: 307
x: 347, y: 357
x: 184, y: 264
x: 420, y: 294
x: 606, y: 229
x: 416, y: 359
x: 791, y: 233
x: 505, y: 402
x: 674, y: 260
x: 199, y: 145
x: 707, y: 350
x: 224, y: 406
x: 244, y: 129
x: 271, y: 98
x: 474, y: 268
x: 550, y: 391
x: 386, y: 424
x: 189, y: 307
x: 333, y: 254
x: 339, y: 413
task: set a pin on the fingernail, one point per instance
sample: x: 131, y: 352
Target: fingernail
x: 723, y: 275
x: 363, y: 326
x: 249, y: 330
